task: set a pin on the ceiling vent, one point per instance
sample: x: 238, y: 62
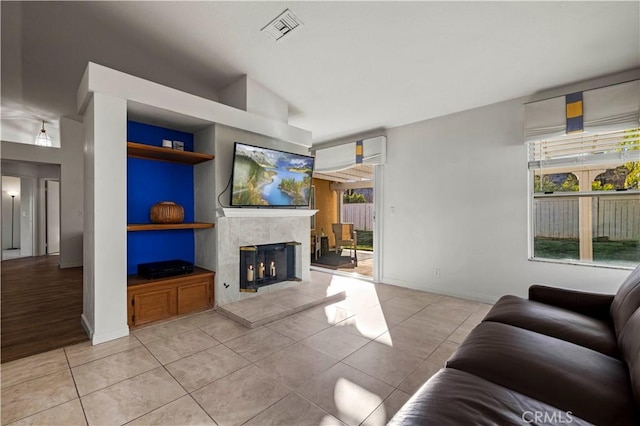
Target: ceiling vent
x: 283, y: 25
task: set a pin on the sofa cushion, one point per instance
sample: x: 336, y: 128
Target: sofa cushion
x: 454, y: 397
x: 593, y: 386
x: 556, y: 322
x: 630, y: 348
x: 626, y: 301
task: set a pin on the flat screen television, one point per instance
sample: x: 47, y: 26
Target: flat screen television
x: 264, y: 177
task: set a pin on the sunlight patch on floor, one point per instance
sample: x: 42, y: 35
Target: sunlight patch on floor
x: 362, y: 299
x: 346, y: 394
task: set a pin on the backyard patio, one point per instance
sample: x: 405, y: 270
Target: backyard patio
x: 343, y: 262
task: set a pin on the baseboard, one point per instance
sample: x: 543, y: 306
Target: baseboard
x: 87, y: 327
x: 478, y: 297
x: 105, y: 337
x: 70, y: 265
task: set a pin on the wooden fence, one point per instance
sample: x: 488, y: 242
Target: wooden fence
x: 615, y: 218
x: 360, y: 214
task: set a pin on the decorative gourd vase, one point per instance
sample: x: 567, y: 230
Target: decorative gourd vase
x: 166, y: 212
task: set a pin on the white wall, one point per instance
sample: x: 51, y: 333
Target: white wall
x: 30, y: 153
x: 458, y: 185
x: 205, y: 200
x: 235, y: 94
x: 249, y: 95
x: 71, y: 193
x: 105, y: 225
x: 264, y: 102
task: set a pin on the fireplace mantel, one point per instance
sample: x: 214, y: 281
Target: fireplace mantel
x: 266, y: 212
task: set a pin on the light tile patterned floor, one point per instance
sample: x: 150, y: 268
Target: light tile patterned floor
x: 352, y: 362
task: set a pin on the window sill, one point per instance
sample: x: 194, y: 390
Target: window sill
x: 579, y: 263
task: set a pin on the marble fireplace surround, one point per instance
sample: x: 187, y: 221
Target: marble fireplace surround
x: 235, y: 232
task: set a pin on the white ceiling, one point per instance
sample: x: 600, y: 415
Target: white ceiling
x: 352, y: 67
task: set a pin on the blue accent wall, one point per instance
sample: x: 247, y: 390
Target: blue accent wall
x: 149, y: 182
x: 153, y: 135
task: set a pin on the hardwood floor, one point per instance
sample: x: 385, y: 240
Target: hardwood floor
x: 41, y: 306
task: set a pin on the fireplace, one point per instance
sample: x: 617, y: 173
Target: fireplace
x: 235, y: 232
x: 267, y: 264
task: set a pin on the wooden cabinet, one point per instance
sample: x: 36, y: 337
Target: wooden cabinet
x: 151, y: 305
x: 193, y: 297
x: 154, y: 300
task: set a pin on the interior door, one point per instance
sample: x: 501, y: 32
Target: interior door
x: 53, y: 216
x: 26, y: 216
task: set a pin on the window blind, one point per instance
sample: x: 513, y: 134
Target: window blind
x: 545, y: 119
x: 614, y: 147
x: 606, y: 109
x: 340, y: 157
x: 612, y: 107
x: 335, y: 158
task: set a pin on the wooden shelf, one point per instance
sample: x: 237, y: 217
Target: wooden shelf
x: 167, y: 226
x: 150, y: 152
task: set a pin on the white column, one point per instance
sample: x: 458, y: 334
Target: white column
x: 105, y: 220
x: 585, y: 213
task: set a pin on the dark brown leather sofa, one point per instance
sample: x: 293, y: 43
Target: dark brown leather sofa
x: 560, y: 357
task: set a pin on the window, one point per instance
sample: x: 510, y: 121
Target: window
x: 585, y: 198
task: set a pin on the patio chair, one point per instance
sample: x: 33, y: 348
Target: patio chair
x: 315, y: 245
x: 346, y: 236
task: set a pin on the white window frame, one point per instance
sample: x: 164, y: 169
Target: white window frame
x: 586, y: 156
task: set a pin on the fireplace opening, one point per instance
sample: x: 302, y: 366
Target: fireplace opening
x: 268, y: 264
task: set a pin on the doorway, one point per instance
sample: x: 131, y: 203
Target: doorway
x: 18, y: 235
x: 347, y: 197
x: 52, y: 216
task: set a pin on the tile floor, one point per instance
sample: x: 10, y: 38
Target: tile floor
x: 352, y: 362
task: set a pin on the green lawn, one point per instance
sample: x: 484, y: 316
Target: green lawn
x: 616, y: 251
x: 365, y: 240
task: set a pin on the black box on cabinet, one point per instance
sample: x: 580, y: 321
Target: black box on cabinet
x: 167, y: 268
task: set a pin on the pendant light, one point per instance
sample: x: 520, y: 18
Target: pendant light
x: 43, y: 139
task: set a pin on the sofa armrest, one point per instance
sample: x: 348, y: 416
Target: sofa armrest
x: 592, y: 304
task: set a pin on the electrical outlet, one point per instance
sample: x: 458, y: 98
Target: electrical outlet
x: 436, y: 273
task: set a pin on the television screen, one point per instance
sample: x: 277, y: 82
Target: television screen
x: 267, y: 177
